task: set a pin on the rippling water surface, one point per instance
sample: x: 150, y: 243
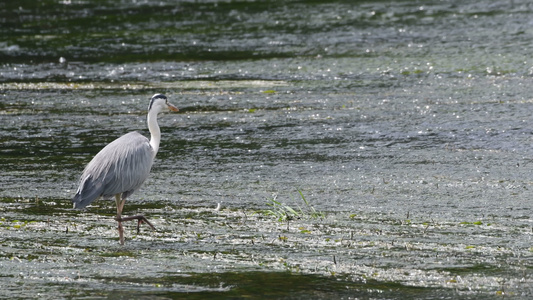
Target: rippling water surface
x: 405, y: 125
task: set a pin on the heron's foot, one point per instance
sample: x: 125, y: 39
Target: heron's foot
x: 140, y: 219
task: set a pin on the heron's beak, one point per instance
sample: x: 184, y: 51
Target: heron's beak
x: 172, y: 107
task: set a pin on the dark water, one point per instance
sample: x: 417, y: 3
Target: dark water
x: 406, y: 125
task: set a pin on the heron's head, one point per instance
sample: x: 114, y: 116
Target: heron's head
x: 159, y: 103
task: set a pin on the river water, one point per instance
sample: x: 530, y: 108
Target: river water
x: 355, y: 149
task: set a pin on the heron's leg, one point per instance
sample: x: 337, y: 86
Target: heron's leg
x: 140, y: 219
x: 120, y: 205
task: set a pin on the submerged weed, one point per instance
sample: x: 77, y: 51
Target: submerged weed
x: 284, y: 212
x: 311, y: 211
x: 281, y: 211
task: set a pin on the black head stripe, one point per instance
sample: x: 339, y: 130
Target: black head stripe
x: 154, y: 97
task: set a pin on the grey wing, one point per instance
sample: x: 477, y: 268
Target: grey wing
x: 119, y: 168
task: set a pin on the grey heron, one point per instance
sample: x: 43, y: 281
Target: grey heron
x: 122, y: 166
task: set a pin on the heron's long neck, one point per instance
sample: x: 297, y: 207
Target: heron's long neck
x: 155, y: 132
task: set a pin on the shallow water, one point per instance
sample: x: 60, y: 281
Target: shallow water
x: 405, y: 125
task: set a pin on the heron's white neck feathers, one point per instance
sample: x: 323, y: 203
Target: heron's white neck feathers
x: 155, y: 132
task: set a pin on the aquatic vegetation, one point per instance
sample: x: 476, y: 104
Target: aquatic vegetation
x: 473, y: 223
x: 283, y: 212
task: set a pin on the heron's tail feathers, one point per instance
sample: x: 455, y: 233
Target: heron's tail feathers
x: 80, y: 202
x: 87, y: 192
